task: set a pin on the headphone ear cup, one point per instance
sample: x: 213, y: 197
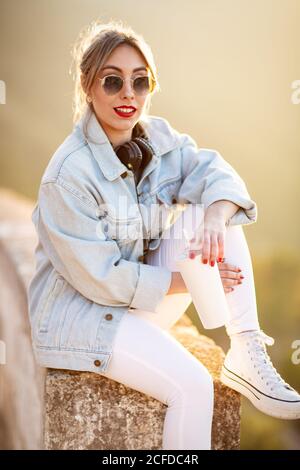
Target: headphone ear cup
x: 123, y: 153
x: 130, y: 154
x: 136, y: 155
x: 146, y: 149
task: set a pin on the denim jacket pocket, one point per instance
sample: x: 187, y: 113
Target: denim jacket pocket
x: 126, y: 231
x: 45, y: 313
x: 167, y: 192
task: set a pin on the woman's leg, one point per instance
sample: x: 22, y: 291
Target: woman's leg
x: 247, y: 356
x: 148, y: 359
x: 171, y: 245
x: 247, y: 367
x: 241, y: 301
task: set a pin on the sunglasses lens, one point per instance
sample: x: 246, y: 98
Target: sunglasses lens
x: 112, y: 84
x: 142, y: 85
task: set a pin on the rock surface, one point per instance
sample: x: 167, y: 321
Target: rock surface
x: 82, y: 410
x: 90, y: 411
x: 21, y: 380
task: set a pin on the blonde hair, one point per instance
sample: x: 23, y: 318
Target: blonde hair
x: 90, y: 52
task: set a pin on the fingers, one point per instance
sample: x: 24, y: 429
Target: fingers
x: 213, y: 247
x: 231, y: 267
x: 205, y: 247
x: 231, y: 282
x: 230, y: 276
x: 221, y: 243
x: 228, y: 289
x: 195, y: 247
x: 229, y: 270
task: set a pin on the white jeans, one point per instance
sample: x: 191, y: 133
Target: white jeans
x: 147, y: 358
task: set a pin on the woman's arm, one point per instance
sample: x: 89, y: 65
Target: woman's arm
x: 75, y: 243
x: 177, y: 284
x: 223, y: 209
x: 207, y: 178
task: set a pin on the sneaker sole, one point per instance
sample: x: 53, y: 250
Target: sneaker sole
x: 257, y: 398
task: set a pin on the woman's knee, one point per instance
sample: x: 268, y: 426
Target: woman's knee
x: 195, y: 383
x: 202, y: 381
x: 234, y: 234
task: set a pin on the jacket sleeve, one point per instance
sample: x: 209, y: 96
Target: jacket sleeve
x: 207, y: 177
x: 72, y: 237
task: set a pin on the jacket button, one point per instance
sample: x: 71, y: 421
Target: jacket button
x: 97, y: 363
x: 108, y: 316
x: 123, y: 175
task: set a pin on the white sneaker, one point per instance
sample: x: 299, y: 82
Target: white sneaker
x: 248, y: 369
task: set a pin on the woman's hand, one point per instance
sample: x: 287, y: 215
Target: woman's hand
x: 230, y: 276
x: 211, y: 242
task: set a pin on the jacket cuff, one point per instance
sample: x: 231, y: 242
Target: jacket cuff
x: 152, y: 286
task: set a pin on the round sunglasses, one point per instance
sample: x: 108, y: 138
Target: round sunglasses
x: 112, y: 84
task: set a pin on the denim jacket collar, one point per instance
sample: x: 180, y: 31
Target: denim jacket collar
x: 109, y: 163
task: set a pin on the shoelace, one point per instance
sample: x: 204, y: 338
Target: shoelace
x: 264, y: 362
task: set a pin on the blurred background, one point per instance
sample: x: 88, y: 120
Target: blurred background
x: 227, y: 69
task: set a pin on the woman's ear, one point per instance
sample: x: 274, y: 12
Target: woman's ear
x: 83, y: 85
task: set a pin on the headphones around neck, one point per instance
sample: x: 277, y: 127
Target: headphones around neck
x: 135, y: 154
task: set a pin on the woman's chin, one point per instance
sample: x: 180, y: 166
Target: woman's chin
x: 123, y: 125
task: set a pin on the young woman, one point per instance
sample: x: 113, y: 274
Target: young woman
x: 106, y: 292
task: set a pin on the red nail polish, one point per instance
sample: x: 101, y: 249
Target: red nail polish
x: 220, y: 260
x: 242, y: 277
x: 192, y: 255
x: 212, y: 263
x: 205, y: 261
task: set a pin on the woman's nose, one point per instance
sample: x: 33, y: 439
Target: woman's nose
x: 127, y: 90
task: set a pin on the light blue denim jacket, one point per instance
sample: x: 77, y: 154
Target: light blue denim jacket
x: 89, y: 265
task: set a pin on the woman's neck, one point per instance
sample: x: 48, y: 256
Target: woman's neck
x: 116, y: 137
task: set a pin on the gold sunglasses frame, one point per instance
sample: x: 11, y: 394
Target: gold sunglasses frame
x: 102, y: 80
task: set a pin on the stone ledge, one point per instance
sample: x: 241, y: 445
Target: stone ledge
x: 21, y: 379
x: 84, y: 410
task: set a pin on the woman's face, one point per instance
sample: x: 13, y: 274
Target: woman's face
x: 119, y: 129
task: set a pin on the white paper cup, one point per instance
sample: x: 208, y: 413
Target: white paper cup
x: 206, y: 289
